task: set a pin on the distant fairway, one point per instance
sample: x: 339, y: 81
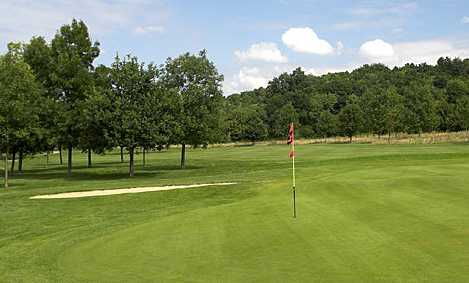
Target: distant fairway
x: 366, y: 213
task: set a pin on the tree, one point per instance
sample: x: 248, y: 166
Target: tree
x: 281, y: 119
x: 351, y: 118
x: 196, y: 84
x: 327, y: 124
x: 38, y: 54
x: 20, y: 98
x: 373, y: 105
x: 320, y: 115
x: 103, y: 84
x: 138, y: 106
x: 456, y: 88
x: 338, y: 85
x: 453, y: 67
x: 462, y: 112
x: 72, y: 56
x: 246, y: 122
x: 442, y: 109
x: 96, y: 120
x: 420, y: 112
x: 294, y: 88
x: 394, y: 109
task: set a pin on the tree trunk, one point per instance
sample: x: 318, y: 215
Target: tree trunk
x: 143, y: 156
x: 60, y: 154
x: 20, y: 162
x: 350, y: 139
x: 122, y: 155
x: 183, y: 156
x: 13, y: 158
x: 89, y: 158
x: 47, y: 158
x: 69, y: 161
x: 131, y: 162
x: 6, y: 169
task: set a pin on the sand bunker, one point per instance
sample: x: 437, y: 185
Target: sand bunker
x: 96, y: 193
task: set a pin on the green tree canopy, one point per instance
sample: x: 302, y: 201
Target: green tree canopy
x: 19, y: 99
x: 72, y: 56
x: 196, y: 84
x: 351, y: 118
x: 138, y: 106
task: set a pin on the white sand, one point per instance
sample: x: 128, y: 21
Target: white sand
x: 124, y: 191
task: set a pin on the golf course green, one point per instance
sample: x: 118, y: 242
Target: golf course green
x: 366, y: 213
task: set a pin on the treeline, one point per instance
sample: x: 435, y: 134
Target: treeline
x: 373, y: 99
x: 53, y: 97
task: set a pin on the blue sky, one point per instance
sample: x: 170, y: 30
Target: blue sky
x: 252, y: 41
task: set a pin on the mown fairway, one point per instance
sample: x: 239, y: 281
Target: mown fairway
x: 366, y: 213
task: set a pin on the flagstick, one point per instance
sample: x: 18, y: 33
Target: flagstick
x: 294, y: 181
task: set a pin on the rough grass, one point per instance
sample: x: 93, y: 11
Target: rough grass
x: 366, y: 213
x: 398, y: 138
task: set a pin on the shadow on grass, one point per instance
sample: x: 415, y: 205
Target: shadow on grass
x: 156, y: 168
x: 87, y: 176
x: 245, y: 145
x: 98, y: 172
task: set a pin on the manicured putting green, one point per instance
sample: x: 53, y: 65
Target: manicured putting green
x: 366, y: 213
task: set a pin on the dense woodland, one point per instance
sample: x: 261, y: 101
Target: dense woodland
x: 53, y: 97
x: 373, y: 99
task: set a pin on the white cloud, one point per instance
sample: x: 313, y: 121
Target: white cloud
x: 465, y: 20
x: 305, y: 40
x: 325, y: 71
x: 252, y: 78
x: 376, y: 49
x: 264, y: 51
x: 340, y: 48
x: 417, y: 52
x: 149, y: 29
x: 427, y: 51
x: 248, y: 78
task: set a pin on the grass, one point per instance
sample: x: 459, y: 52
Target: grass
x: 398, y: 138
x: 366, y: 213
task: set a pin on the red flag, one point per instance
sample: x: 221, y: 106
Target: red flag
x: 291, y: 140
x: 291, y: 134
